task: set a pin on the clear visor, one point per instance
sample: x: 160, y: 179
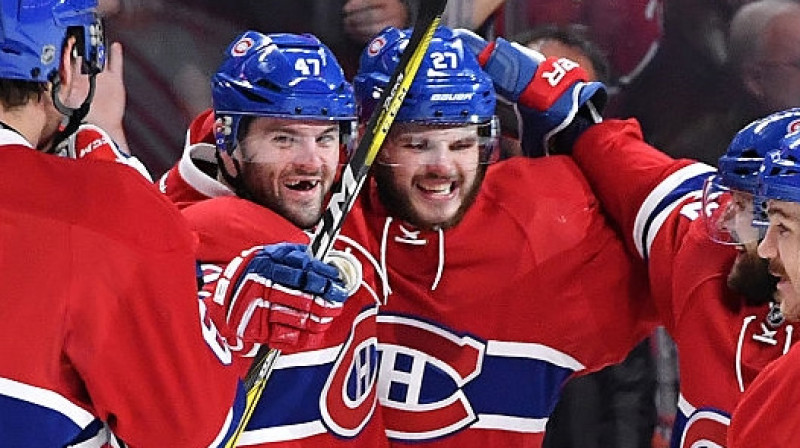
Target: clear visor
x: 731, y: 216
x: 271, y: 144
x: 417, y: 144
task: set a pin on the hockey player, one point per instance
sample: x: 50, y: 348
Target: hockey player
x: 506, y: 280
x: 101, y: 319
x: 714, y: 299
x: 495, y: 300
x: 767, y: 414
x: 258, y: 168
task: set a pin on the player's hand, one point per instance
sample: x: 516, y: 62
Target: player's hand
x: 363, y: 19
x: 550, y: 93
x: 281, y: 296
x: 92, y: 143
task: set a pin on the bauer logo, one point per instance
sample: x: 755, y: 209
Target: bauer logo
x: 452, y: 97
x: 376, y: 46
x: 240, y: 48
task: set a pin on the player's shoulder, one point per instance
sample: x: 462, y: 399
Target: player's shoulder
x: 521, y: 181
x: 107, y: 198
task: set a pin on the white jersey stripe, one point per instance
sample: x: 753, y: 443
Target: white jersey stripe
x: 282, y: 433
x: 507, y: 423
x: 46, y: 398
x: 533, y: 351
x: 653, y: 211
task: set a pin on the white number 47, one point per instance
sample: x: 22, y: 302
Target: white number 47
x: 308, y: 67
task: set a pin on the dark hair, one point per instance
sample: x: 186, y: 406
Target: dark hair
x: 573, y: 35
x: 16, y: 93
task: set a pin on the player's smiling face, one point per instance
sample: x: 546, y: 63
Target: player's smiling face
x: 289, y: 165
x: 429, y: 176
x: 781, y: 246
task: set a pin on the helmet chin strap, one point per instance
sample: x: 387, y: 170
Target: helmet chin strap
x: 75, y: 116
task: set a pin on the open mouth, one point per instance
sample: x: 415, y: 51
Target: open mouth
x: 302, y: 185
x: 437, y: 189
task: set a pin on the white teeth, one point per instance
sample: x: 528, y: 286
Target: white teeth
x: 440, y: 189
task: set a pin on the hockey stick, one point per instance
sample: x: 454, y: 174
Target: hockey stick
x: 353, y: 176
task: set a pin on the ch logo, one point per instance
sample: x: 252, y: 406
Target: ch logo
x: 706, y: 428
x: 349, y: 397
x: 420, y: 387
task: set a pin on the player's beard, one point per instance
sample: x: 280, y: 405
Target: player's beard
x: 399, y: 205
x: 261, y: 189
x: 750, y: 277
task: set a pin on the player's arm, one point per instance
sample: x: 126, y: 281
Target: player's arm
x: 635, y: 182
x: 102, y: 137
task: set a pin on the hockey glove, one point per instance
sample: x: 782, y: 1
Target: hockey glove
x: 555, y: 103
x: 281, y: 296
x: 91, y: 142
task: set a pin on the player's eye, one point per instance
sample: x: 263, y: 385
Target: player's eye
x: 413, y: 143
x: 328, y: 139
x: 283, y: 140
x: 464, y: 144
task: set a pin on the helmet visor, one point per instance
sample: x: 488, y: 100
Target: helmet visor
x: 731, y: 216
x: 432, y: 144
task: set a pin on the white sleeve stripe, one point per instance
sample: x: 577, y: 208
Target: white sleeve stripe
x: 533, y: 351
x: 46, y: 398
x: 645, y: 227
x: 658, y: 220
x: 281, y: 433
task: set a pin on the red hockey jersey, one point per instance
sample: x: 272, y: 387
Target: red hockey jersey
x: 290, y: 412
x: 483, y: 322
x: 101, y: 317
x: 767, y: 416
x: 656, y: 201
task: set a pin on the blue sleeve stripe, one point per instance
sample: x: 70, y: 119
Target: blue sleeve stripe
x: 662, y: 201
x: 47, y: 399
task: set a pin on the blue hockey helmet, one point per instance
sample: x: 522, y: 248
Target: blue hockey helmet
x: 735, y: 187
x: 739, y: 166
x: 32, y: 34
x: 450, y: 86
x: 780, y: 176
x: 281, y: 76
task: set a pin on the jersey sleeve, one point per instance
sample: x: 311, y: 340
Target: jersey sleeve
x: 152, y: 361
x: 652, y: 198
